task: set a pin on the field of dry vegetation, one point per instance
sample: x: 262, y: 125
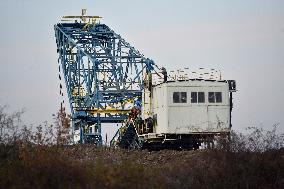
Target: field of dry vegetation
x: 42, y: 158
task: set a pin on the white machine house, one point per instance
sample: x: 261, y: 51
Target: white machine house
x: 179, y: 113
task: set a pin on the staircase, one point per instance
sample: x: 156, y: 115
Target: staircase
x: 126, y: 137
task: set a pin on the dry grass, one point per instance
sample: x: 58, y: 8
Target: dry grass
x: 81, y: 166
x: 44, y: 160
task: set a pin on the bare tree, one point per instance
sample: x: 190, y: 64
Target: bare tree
x: 257, y: 140
x: 10, y: 125
x: 62, y: 125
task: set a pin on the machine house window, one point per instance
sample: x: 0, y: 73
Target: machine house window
x: 215, y: 97
x: 179, y: 97
x: 197, y: 97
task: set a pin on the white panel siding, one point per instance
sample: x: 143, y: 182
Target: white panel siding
x: 183, y: 118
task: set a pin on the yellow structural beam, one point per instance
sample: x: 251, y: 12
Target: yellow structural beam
x: 107, y: 111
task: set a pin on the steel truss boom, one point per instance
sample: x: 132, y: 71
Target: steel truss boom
x: 102, y: 73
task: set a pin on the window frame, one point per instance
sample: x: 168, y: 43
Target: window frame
x: 179, y: 97
x: 193, y: 97
x: 201, y: 100
x: 215, y: 97
x: 183, y: 97
x: 218, y: 98
x: 196, y: 97
x: 176, y: 97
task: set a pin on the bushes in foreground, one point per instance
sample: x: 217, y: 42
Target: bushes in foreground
x: 51, y: 167
x: 41, y: 158
x: 78, y: 166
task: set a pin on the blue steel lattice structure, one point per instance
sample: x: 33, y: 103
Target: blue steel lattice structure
x: 102, y: 73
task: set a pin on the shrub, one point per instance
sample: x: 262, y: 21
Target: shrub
x: 40, y: 158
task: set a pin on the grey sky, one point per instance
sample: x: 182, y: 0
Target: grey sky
x: 242, y: 38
